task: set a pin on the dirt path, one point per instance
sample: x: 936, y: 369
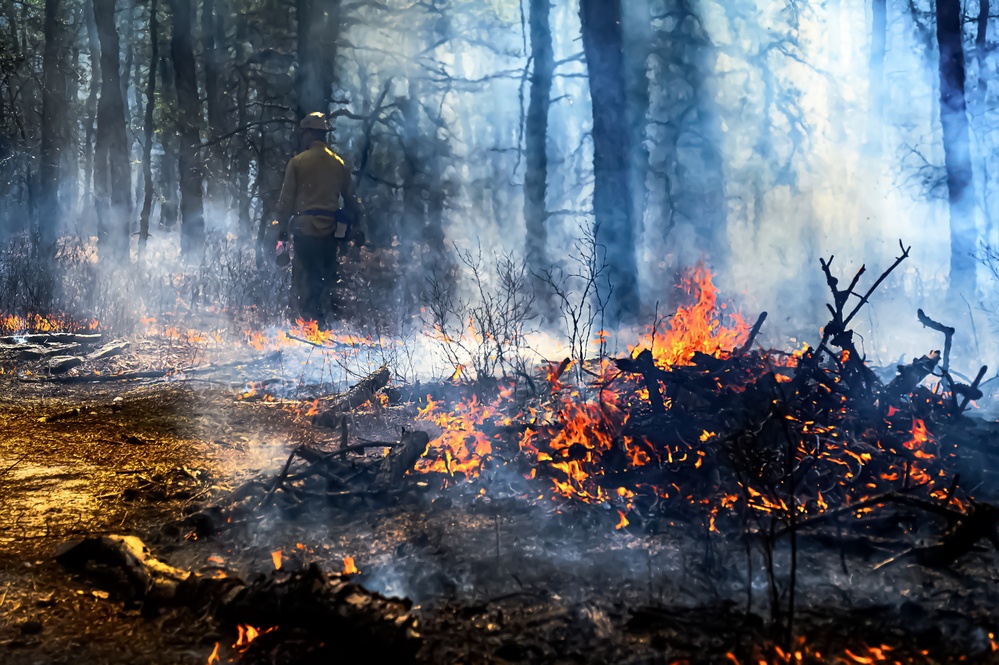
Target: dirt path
x: 133, y: 460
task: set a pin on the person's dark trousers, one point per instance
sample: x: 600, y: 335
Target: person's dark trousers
x: 314, y: 275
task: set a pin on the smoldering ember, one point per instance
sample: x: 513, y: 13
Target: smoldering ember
x: 499, y: 331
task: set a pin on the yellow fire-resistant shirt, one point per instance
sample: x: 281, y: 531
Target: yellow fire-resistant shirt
x: 316, y: 179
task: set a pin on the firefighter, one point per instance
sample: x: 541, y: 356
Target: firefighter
x: 309, y: 207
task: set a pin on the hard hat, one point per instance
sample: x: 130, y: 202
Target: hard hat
x: 316, y: 121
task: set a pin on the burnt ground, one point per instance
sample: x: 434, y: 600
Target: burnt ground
x: 496, y: 577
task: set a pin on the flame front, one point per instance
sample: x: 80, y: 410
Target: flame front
x: 348, y: 566
x: 695, y: 328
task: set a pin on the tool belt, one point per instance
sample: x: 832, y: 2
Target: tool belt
x: 341, y: 217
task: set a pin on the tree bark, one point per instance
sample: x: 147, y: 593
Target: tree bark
x: 981, y: 94
x: 114, y: 187
x: 53, y: 103
x: 169, y: 207
x: 242, y: 150
x: 536, y: 135
x: 147, y: 148
x: 214, y: 171
x: 70, y: 169
x: 614, y: 226
x: 91, y: 106
x: 414, y: 213
x: 637, y: 29
x: 876, y: 68
x: 957, y: 151
x: 982, y: 25
x: 192, y: 230
x: 318, y: 22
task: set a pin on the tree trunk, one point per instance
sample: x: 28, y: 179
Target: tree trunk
x: 91, y: 107
x: 318, y: 22
x: 536, y: 135
x: 414, y: 214
x: 875, y: 84
x: 210, y: 19
x: 981, y: 94
x: 147, y: 148
x: 982, y: 24
x: 637, y: 29
x: 114, y: 190
x: 957, y: 152
x: 614, y: 227
x: 70, y: 168
x: 192, y: 230
x: 53, y: 103
x: 169, y: 207
x: 242, y: 156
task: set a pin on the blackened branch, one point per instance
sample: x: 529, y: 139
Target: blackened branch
x: 744, y: 349
x: 883, y: 277
x: 939, y: 327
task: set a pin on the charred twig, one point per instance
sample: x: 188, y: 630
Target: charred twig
x: 279, y: 480
x: 10, y: 468
x: 957, y: 390
x: 909, y: 376
x: 364, y: 445
x: 62, y: 415
x: 745, y: 348
x: 888, y: 497
x: 859, y: 377
x: 968, y: 529
x: 864, y: 299
x: 645, y: 365
x: 971, y: 392
x: 947, y: 331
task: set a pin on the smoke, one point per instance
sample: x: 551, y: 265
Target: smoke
x: 764, y: 151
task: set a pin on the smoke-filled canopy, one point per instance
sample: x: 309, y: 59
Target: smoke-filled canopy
x: 599, y: 147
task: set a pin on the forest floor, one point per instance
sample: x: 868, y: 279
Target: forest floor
x: 493, y: 579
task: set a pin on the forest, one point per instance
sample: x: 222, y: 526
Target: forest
x: 743, y: 135
x: 672, y: 335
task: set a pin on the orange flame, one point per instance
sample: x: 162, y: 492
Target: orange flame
x: 276, y: 558
x: 696, y: 328
x: 348, y: 566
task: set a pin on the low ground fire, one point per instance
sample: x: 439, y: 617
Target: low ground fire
x: 698, y: 498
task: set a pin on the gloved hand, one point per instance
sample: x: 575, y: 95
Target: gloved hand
x: 358, y: 238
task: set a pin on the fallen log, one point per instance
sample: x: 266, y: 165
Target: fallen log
x: 108, y: 350
x: 402, y: 459
x: 123, y: 563
x: 60, y: 364
x: 49, y: 338
x: 360, y: 394
x: 326, y: 608
x: 153, y: 373
x: 37, y: 352
x: 355, y: 624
